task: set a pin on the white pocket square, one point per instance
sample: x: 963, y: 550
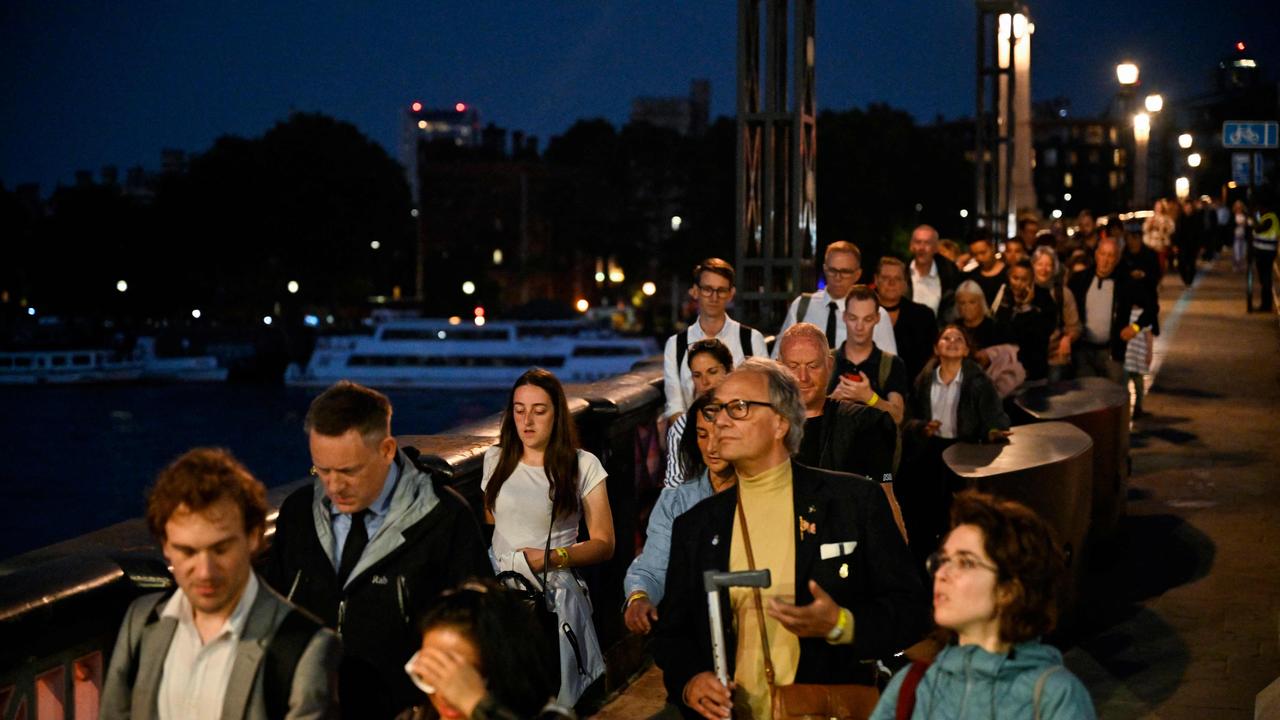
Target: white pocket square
x: 829, y: 550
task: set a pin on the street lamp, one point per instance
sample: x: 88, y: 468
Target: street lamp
x: 1193, y: 160
x: 1185, y: 140
x: 1182, y: 186
x: 1127, y: 73
x: 1154, y: 103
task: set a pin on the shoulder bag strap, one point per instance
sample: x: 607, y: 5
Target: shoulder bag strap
x: 744, y: 339
x: 280, y: 662
x: 803, y: 308
x: 751, y: 565
x: 682, y: 345
x: 1035, y: 696
x: 907, y: 690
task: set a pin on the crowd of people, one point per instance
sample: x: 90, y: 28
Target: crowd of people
x: 382, y: 596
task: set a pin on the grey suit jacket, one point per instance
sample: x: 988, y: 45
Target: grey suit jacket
x: 145, y: 646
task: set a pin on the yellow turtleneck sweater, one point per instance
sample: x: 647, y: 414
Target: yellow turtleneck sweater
x: 771, y: 522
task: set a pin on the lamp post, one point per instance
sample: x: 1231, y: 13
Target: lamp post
x: 1127, y: 76
x: 1141, y: 136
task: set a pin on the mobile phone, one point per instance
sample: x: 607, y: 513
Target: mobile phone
x: 854, y: 376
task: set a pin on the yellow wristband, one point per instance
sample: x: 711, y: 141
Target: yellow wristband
x: 1135, y: 327
x: 562, y: 557
x: 636, y: 596
x: 874, y: 399
x: 842, y: 622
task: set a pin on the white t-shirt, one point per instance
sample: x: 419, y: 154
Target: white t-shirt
x: 522, y: 512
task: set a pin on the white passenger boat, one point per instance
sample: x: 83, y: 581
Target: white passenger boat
x: 38, y: 367
x: 419, y: 352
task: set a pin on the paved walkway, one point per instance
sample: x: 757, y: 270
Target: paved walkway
x: 1189, y: 621
x: 1191, y: 628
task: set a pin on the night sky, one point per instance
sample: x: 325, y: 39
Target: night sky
x: 88, y: 84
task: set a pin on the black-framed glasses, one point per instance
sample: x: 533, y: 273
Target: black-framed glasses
x: 737, y: 409
x: 708, y: 291
x: 841, y: 272
x: 964, y: 562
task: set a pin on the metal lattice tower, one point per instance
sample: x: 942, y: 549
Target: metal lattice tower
x: 777, y: 223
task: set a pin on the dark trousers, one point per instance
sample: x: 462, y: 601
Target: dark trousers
x: 1262, y: 262
x: 924, y: 489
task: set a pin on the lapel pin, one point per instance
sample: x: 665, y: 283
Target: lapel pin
x: 844, y: 570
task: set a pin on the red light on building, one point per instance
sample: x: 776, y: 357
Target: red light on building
x: 479, y: 311
x: 460, y: 107
x: 416, y: 106
x: 1240, y: 46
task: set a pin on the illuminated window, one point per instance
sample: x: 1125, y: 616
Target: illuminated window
x: 1117, y: 157
x: 1067, y: 180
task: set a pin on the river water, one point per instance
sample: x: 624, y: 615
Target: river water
x: 77, y: 458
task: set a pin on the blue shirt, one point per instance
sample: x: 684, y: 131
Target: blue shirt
x: 648, y: 572
x: 372, y: 522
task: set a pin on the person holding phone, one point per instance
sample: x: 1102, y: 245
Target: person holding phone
x: 865, y: 373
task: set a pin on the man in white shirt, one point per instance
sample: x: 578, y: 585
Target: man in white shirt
x: 713, y: 289
x: 842, y: 268
x: 930, y: 283
x: 224, y: 644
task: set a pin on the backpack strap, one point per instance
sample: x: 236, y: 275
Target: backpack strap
x: 907, y: 690
x: 281, y: 660
x: 744, y: 338
x: 803, y: 308
x: 682, y: 346
x: 886, y: 367
x: 1035, y: 696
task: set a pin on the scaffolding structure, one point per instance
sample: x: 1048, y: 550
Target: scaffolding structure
x: 776, y: 236
x: 1002, y: 120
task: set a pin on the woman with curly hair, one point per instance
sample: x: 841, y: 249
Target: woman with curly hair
x: 995, y: 586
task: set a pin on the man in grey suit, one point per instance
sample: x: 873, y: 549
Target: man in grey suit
x: 225, y: 645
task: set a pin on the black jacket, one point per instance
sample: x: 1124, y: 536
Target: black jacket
x: 915, y: 332
x: 949, y: 277
x: 1128, y: 294
x: 879, y: 584
x: 977, y: 413
x: 855, y: 438
x: 1030, y: 328
x: 428, y: 543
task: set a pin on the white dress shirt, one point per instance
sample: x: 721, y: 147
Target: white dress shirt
x: 944, y: 398
x: 195, y: 674
x: 1097, y: 310
x: 882, y: 336
x: 678, y: 382
x: 926, y: 288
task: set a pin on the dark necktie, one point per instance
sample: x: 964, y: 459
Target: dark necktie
x: 831, y: 324
x: 357, y: 538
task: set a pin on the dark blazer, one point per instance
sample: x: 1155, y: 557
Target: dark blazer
x: 1128, y: 294
x: 880, y: 587
x: 949, y: 277
x: 977, y: 413
x: 856, y: 439
x: 916, y: 331
x: 131, y: 688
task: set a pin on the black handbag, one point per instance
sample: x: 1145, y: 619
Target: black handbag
x: 547, y: 621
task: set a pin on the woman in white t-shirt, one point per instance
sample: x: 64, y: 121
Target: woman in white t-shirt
x: 537, y: 468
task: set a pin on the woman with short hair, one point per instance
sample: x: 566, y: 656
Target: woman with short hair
x: 1050, y: 276
x: 995, y: 587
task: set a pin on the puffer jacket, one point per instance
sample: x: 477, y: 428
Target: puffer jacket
x: 966, y: 682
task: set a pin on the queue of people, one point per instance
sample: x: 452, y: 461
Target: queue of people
x: 378, y: 599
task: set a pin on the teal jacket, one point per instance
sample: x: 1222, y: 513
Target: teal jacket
x: 966, y: 682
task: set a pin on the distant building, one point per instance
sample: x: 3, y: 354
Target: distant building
x: 685, y: 115
x: 1079, y: 162
x: 458, y: 126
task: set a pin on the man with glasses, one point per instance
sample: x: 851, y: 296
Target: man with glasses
x: 370, y: 544
x: 844, y: 587
x: 713, y: 290
x: 842, y: 268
